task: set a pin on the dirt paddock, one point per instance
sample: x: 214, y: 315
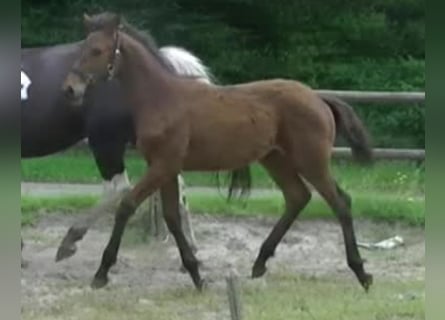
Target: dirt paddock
x: 311, y: 248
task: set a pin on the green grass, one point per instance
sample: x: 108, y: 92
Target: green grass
x: 390, y: 190
x: 387, y: 207
x: 34, y: 207
x: 79, y: 166
x: 280, y: 296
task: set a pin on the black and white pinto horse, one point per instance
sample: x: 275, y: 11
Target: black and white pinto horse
x: 49, y: 124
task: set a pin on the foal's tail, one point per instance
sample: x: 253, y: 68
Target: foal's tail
x: 351, y: 128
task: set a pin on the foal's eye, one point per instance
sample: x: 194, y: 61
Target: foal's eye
x: 96, y: 52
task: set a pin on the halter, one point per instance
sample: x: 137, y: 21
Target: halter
x: 111, y: 67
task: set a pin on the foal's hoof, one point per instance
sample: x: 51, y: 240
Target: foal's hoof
x: 258, y: 271
x: 201, y: 285
x: 99, y: 282
x: 366, y: 281
x: 65, y: 251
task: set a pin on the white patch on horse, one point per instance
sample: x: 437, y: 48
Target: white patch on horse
x: 121, y: 181
x: 185, y: 63
x: 118, y: 183
x: 25, y: 82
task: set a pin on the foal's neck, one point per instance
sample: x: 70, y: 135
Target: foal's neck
x: 145, y: 81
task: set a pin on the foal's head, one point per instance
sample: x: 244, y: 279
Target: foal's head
x: 99, y: 57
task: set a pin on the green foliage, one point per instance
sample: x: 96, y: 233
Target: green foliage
x: 337, y: 44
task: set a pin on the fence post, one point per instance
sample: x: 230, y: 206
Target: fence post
x: 234, y: 295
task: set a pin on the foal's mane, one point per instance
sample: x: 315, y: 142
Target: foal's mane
x: 146, y: 39
x: 143, y: 37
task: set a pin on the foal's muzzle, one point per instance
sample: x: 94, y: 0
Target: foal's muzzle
x: 74, y: 89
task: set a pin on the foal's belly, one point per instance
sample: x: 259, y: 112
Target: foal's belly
x: 226, y: 137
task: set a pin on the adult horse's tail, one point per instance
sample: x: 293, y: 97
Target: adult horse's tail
x: 351, y: 128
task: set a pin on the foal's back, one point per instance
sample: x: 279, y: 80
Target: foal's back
x: 251, y: 120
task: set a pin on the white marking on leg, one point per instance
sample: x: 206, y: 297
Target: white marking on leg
x: 25, y: 82
x: 120, y: 181
x: 107, y: 188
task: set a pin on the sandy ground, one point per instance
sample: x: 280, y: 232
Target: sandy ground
x: 311, y: 247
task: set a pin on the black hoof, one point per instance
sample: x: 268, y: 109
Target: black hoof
x: 201, y: 285
x: 99, y: 282
x: 258, y: 271
x: 65, y: 251
x: 366, y: 281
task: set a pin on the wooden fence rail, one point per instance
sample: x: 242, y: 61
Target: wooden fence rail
x: 402, y: 98
x: 388, y: 154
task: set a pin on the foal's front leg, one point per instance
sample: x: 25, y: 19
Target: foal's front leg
x: 170, y: 204
x: 149, y: 183
x: 77, y: 231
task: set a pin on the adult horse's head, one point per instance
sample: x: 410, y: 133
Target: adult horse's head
x: 99, y: 57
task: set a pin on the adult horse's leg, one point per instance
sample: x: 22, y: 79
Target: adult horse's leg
x: 296, y: 195
x: 109, y: 156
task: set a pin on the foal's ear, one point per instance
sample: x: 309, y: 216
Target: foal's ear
x: 112, y: 24
x: 87, y: 22
x: 116, y: 21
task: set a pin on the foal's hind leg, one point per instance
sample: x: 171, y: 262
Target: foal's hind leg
x: 296, y: 196
x: 340, y: 202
